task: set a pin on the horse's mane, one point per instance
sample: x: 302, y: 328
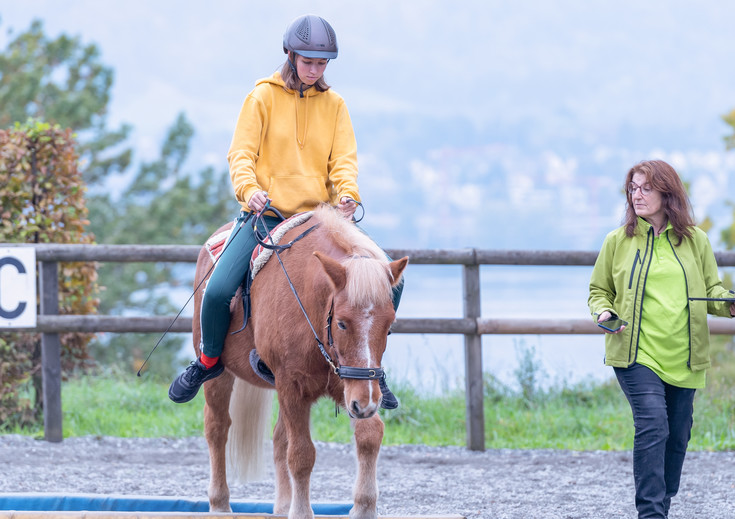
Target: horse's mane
x: 368, y: 276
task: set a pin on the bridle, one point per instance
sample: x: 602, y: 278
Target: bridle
x: 350, y: 372
x: 341, y: 371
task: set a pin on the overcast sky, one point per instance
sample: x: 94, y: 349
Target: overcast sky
x: 599, y: 63
x: 655, y: 76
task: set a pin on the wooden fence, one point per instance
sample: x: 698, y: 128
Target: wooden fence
x: 472, y: 325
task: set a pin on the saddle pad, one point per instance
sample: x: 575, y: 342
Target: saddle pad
x: 261, y: 254
x: 216, y: 243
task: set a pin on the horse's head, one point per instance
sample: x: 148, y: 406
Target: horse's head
x: 361, y: 318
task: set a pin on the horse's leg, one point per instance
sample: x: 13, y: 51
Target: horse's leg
x: 283, y: 480
x: 368, y: 437
x: 300, y: 452
x: 217, y: 422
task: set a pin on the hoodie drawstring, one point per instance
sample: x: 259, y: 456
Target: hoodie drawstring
x: 301, y: 140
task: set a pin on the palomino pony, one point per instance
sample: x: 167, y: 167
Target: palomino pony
x: 344, y: 282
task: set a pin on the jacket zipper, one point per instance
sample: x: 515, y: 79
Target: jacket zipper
x: 640, y: 310
x: 632, y: 271
x: 689, y: 311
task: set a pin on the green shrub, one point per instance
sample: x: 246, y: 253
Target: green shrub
x: 42, y: 196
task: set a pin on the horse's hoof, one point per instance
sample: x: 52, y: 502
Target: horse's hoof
x: 365, y: 514
x: 281, y: 510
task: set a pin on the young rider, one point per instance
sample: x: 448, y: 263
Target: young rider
x: 293, y: 144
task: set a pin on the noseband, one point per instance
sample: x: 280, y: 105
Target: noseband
x: 342, y: 372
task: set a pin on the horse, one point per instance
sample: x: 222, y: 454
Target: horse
x: 343, y: 282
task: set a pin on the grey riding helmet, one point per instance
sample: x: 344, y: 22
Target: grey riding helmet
x: 310, y: 36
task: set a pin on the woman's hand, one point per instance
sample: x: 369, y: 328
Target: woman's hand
x: 604, y: 316
x: 257, y: 201
x: 732, y: 310
x: 347, y: 207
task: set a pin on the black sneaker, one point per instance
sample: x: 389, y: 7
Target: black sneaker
x: 389, y: 400
x: 186, y: 386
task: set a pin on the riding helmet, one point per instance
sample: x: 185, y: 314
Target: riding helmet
x: 310, y: 36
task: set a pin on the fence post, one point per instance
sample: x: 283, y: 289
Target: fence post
x: 473, y: 360
x: 51, y: 354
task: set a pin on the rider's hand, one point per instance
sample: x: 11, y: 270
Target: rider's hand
x: 257, y: 201
x: 347, y: 207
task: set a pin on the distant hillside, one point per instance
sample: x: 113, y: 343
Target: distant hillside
x: 446, y: 183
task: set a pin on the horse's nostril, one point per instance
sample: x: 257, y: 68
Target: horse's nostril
x: 355, y: 408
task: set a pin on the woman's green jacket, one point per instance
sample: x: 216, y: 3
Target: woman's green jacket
x: 618, y: 285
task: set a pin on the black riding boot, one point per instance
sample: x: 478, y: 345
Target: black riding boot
x: 389, y: 401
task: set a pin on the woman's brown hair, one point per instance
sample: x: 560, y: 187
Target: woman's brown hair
x: 674, y: 200
x: 291, y: 79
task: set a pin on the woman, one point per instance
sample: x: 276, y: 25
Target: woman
x: 649, y: 273
x: 293, y: 144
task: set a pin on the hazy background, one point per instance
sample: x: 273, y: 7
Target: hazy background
x: 479, y: 123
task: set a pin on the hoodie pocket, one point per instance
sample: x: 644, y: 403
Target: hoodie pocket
x: 632, y: 270
x: 296, y: 193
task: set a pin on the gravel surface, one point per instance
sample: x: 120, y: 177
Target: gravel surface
x: 413, y: 479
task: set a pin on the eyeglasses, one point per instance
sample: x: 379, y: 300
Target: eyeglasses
x: 645, y: 189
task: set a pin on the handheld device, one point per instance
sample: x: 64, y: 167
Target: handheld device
x: 613, y: 324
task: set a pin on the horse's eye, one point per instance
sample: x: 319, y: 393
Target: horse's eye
x: 341, y: 325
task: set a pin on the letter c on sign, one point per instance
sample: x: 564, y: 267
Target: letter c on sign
x: 12, y: 314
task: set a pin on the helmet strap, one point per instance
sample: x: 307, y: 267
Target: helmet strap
x: 291, y: 64
x: 296, y: 73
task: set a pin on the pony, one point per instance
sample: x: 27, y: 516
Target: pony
x: 344, y: 283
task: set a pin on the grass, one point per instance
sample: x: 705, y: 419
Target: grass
x: 134, y: 407
x: 583, y: 417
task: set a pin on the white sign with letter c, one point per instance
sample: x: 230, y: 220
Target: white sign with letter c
x: 18, y: 287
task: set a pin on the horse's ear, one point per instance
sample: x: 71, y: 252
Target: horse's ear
x: 334, y: 270
x: 396, y: 269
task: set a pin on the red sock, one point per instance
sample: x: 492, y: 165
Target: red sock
x: 208, y: 361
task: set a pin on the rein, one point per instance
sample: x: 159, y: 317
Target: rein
x: 350, y: 372
x: 261, y: 238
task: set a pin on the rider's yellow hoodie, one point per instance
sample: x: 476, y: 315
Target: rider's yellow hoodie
x: 301, y: 150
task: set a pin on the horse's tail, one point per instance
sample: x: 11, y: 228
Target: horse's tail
x: 250, y: 412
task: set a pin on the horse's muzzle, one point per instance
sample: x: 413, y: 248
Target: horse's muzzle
x: 355, y: 410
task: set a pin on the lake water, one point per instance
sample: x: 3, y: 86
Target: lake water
x: 435, y: 362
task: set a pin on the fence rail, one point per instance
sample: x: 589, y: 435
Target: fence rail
x: 472, y: 325
x: 463, y: 326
